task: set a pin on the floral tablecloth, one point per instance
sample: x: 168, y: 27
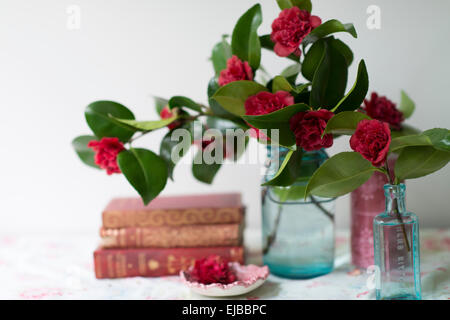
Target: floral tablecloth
x: 61, y: 267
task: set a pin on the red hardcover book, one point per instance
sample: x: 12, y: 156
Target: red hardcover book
x: 185, y: 236
x: 155, y: 262
x: 174, y: 211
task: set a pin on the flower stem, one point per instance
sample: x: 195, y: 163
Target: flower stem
x: 395, y: 207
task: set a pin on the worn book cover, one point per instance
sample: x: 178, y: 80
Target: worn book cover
x: 155, y: 262
x: 224, y: 208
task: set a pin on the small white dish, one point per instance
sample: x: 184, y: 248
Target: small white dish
x: 249, y: 278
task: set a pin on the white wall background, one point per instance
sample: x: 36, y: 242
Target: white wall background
x: 127, y: 50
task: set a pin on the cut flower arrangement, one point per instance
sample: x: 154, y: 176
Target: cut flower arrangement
x: 298, y: 103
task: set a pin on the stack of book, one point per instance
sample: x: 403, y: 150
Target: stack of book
x: 168, y: 235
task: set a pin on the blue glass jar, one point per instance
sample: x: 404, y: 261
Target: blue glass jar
x: 397, y: 249
x: 298, y: 235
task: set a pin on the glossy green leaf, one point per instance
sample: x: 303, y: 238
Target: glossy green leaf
x: 291, y: 73
x: 289, y: 170
x: 145, y: 171
x: 267, y: 43
x: 184, y: 102
x: 327, y: 28
x: 330, y: 79
x: 339, y: 175
x: 355, y: 97
x: 409, y: 141
x: 166, y: 148
x: 312, y: 59
x: 245, y: 42
x: 85, y: 154
x: 416, y: 162
x: 439, y: 137
x: 281, y: 84
x: 202, y: 171
x: 345, y: 122
x: 98, y: 117
x: 147, y: 125
x: 302, y: 4
x: 407, y: 106
x: 232, y: 96
x: 160, y: 103
x: 292, y: 193
x: 406, y: 130
x: 344, y: 50
x: 220, y: 54
x: 278, y: 120
x: 215, y: 106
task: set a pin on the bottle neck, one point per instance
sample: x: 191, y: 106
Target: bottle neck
x: 395, y: 199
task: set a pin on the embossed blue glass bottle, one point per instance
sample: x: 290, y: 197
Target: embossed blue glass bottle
x: 298, y: 235
x: 396, y: 248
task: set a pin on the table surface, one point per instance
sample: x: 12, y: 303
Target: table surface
x: 61, y: 267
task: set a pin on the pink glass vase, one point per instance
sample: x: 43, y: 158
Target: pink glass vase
x: 367, y: 202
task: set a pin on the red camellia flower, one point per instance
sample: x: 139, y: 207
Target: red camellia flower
x: 106, y: 151
x: 290, y: 28
x: 381, y: 108
x: 166, y: 113
x: 213, y: 269
x: 266, y: 102
x: 308, y: 128
x: 236, y: 70
x: 372, y: 139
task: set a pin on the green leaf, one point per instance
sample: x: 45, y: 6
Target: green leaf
x: 344, y: 50
x: 416, y: 162
x: 281, y: 84
x: 314, y: 55
x: 293, y: 192
x: 345, y: 122
x: 184, y: 102
x: 302, y: 4
x: 409, y: 141
x: 312, y: 59
x: 407, y: 106
x: 160, y: 103
x: 204, y: 172
x: 98, y: 118
x: 217, y: 109
x: 330, y: 79
x: 245, y: 41
x: 147, y: 125
x: 327, y: 28
x: 406, y: 130
x: 166, y: 148
x: 220, y: 54
x: 339, y: 175
x: 437, y: 138
x: 355, y: 97
x: 145, y: 171
x: 267, y: 43
x: 85, y: 154
x: 291, y: 73
x: 440, y: 138
x: 289, y: 170
x: 232, y: 96
x: 278, y: 120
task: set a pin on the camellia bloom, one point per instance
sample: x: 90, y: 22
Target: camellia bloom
x: 267, y: 102
x: 308, y: 128
x: 213, y: 269
x: 381, y: 108
x: 372, y: 139
x: 106, y: 151
x: 290, y: 28
x: 236, y: 70
x: 166, y: 113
